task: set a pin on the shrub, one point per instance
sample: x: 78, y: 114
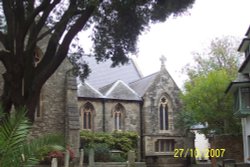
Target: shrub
x: 102, y: 143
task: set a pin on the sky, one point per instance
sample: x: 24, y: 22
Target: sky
x: 179, y: 37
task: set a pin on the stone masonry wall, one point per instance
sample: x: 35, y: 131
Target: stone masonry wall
x: 52, y: 103
x: 162, y: 86
x: 233, y: 146
x: 72, y: 120
x: 131, y: 119
x: 98, y: 115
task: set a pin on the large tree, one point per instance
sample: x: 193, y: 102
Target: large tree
x: 204, y: 95
x: 116, y: 25
x: 220, y: 54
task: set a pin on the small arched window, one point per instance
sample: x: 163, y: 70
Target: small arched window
x: 118, y: 115
x: 163, y: 116
x: 87, y: 116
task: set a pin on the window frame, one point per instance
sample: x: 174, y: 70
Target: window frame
x: 164, y: 144
x: 87, y: 116
x: 163, y: 114
x: 118, y: 115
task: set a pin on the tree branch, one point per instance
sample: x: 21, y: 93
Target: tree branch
x: 8, y: 12
x: 3, y: 38
x: 53, y: 43
x: 4, y: 58
x: 35, y: 12
x: 37, y: 28
x: 62, y: 51
x: 45, y: 34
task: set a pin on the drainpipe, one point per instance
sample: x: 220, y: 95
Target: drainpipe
x: 103, y: 115
x: 141, y: 132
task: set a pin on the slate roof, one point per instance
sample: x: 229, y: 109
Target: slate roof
x: 117, y: 90
x: 102, y: 74
x: 105, y: 88
x: 120, y: 90
x: 86, y: 90
x: 142, y: 85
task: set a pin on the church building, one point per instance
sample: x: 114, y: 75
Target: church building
x: 122, y: 99
x: 112, y: 99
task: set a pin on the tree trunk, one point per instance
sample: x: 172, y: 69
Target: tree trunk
x: 13, y: 95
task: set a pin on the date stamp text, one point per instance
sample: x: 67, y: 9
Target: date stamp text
x: 197, y: 153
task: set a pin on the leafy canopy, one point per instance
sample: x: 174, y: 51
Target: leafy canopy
x: 37, y: 35
x: 115, y: 24
x: 204, y: 99
x: 220, y: 55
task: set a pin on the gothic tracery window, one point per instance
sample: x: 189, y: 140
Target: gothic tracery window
x: 118, y: 116
x: 87, y: 116
x: 163, y: 109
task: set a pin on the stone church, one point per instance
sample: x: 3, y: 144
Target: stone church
x: 111, y: 99
x: 122, y: 99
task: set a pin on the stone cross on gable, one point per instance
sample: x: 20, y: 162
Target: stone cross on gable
x: 163, y: 59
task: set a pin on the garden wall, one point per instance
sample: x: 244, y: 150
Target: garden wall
x: 233, y: 146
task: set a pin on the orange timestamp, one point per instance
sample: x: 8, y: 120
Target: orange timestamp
x: 197, y: 153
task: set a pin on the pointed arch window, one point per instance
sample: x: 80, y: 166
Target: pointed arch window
x: 118, y: 116
x: 87, y: 116
x: 163, y: 109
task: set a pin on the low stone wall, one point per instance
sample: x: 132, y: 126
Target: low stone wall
x: 118, y: 164
x: 233, y: 146
x: 165, y: 161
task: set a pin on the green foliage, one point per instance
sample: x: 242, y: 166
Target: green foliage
x: 205, y: 101
x: 117, y: 158
x: 115, y: 25
x: 102, y: 152
x: 104, y: 142
x: 15, y: 148
x: 220, y: 55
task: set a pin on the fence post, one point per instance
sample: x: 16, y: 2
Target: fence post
x: 81, y: 157
x: 54, y: 162
x: 131, y: 159
x: 66, y: 159
x: 91, y: 157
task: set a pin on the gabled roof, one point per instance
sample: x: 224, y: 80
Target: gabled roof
x: 86, y: 90
x: 142, y: 85
x: 102, y: 73
x: 120, y: 90
x: 241, y: 80
x: 105, y: 88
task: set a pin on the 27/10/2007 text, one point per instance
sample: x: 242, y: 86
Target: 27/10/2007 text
x: 196, y: 153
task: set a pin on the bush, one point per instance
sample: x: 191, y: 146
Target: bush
x: 102, y: 153
x: 102, y: 143
x: 117, y: 158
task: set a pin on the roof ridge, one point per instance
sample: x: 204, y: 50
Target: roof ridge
x: 136, y: 67
x: 145, y: 77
